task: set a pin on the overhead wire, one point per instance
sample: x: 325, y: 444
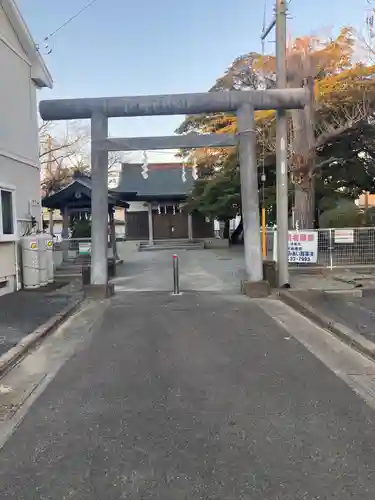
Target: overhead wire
x: 66, y: 23
x: 49, y: 51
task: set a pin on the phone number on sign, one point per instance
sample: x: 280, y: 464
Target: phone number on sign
x: 299, y: 258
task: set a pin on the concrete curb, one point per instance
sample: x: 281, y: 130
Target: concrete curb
x: 347, y: 335
x: 8, y: 359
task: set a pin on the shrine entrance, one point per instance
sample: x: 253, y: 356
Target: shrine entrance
x: 172, y: 224
x: 242, y: 103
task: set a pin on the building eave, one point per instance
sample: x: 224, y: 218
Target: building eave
x: 39, y: 71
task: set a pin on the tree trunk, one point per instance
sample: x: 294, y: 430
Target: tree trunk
x: 304, y: 203
x: 303, y: 163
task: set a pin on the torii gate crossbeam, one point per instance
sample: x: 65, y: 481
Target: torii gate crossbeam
x: 98, y: 110
x: 173, y: 104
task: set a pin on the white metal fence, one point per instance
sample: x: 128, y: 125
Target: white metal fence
x: 77, y: 247
x: 71, y: 244
x: 337, y: 248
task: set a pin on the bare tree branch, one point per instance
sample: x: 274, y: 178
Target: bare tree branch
x: 71, y: 142
x: 341, y: 119
x: 60, y: 153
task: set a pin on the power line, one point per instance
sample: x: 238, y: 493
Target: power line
x: 66, y: 23
x: 72, y: 18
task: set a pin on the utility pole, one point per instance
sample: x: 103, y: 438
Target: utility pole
x: 281, y: 145
x: 281, y: 150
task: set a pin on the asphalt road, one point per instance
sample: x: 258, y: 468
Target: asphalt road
x: 201, y: 396
x: 24, y: 311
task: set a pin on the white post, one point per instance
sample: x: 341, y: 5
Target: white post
x: 65, y: 233
x: 190, y: 227
x: 150, y: 225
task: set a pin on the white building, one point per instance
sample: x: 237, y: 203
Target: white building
x: 23, y: 71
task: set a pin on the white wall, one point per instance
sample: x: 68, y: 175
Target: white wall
x: 19, y: 141
x: 26, y: 180
x: 7, y: 267
x: 18, y: 117
x: 18, y: 138
x: 6, y: 31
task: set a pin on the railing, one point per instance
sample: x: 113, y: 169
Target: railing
x: 336, y: 248
x: 72, y: 245
x: 71, y: 248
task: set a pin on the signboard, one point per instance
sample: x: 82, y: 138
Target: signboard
x: 344, y: 236
x: 302, y: 247
x: 84, y: 248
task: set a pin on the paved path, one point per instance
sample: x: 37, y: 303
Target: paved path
x: 202, y: 270
x: 200, y: 396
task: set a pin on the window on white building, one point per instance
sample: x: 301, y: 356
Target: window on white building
x: 8, y: 229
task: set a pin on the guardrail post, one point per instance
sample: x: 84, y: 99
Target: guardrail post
x: 330, y: 250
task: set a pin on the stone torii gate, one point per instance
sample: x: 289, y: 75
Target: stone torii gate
x: 244, y: 103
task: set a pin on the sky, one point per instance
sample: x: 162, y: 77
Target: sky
x: 138, y: 47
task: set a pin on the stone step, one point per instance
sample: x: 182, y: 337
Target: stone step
x: 171, y: 246
x: 176, y: 243
x: 68, y: 269
x: 68, y: 272
x: 67, y: 276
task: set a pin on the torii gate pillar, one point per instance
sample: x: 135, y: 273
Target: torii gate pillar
x: 99, y: 203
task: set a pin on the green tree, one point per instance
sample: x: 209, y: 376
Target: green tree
x: 337, y: 159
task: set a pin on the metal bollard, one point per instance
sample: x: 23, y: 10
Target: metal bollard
x: 176, y: 276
